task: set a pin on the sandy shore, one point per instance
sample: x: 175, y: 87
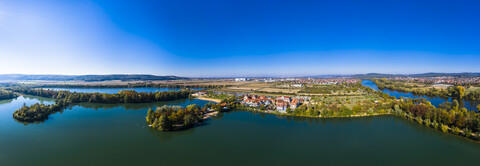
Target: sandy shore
x: 210, y: 114
x: 210, y: 99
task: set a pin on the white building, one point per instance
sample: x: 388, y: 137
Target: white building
x: 297, y: 85
x: 241, y: 79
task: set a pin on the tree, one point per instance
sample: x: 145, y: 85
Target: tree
x: 461, y: 91
x: 478, y: 107
x: 155, y: 123
x: 164, y: 123
x: 189, y: 121
x: 443, y: 127
x: 455, y: 105
x: 289, y: 111
x: 150, y: 115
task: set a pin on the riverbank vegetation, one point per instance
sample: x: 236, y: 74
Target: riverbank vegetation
x: 457, y: 92
x: 133, y: 85
x: 124, y: 96
x: 4, y: 95
x: 447, y: 118
x: 39, y: 112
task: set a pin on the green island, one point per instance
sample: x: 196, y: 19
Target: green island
x: 40, y: 112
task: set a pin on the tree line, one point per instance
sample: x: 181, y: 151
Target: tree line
x: 123, y: 96
x: 448, y: 117
x: 4, y: 95
x: 40, y: 112
x: 329, y: 89
x: 132, y: 85
x: 457, y: 92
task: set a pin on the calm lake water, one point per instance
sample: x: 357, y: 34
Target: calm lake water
x: 469, y: 105
x: 110, y: 134
x: 115, y: 90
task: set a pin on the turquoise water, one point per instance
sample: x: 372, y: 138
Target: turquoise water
x: 469, y: 105
x: 110, y: 134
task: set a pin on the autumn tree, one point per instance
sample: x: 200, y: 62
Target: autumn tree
x: 189, y: 120
x: 150, y: 115
x: 164, y: 123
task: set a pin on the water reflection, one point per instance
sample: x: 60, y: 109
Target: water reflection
x: 166, y: 136
x: 436, y: 101
x: 7, y: 101
x: 140, y: 106
x: 116, y: 90
x: 311, y: 120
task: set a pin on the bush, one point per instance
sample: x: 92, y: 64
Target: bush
x: 468, y: 132
x: 443, y: 127
x: 427, y: 122
x: 455, y: 130
x: 419, y: 120
x: 435, y: 124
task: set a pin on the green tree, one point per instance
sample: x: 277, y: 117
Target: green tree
x: 165, y: 123
x: 443, y: 127
x: 155, y: 123
x: 455, y: 105
x: 189, y: 121
x: 289, y: 111
x: 461, y: 91
x: 150, y: 115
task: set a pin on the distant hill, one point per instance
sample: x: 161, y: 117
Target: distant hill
x: 446, y: 74
x: 89, y: 78
x: 379, y: 75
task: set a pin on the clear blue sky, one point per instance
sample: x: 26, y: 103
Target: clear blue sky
x: 239, y: 37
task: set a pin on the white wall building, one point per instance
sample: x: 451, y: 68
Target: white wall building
x: 241, y: 79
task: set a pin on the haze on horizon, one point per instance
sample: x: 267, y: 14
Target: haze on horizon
x: 213, y: 38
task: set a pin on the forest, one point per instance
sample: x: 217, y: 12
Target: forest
x: 4, y: 94
x: 39, y: 112
x: 449, y: 117
x: 132, y: 85
x: 171, y: 118
x: 458, y: 92
x: 329, y: 89
x: 124, y: 96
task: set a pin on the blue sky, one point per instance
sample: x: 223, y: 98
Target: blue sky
x: 238, y: 37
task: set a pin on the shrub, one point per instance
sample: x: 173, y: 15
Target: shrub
x: 468, y: 132
x: 443, y: 127
x: 419, y: 120
x: 435, y: 124
x: 455, y: 130
x: 427, y: 122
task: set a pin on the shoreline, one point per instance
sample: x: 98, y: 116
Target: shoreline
x: 320, y: 117
x: 209, y: 99
x: 448, y: 131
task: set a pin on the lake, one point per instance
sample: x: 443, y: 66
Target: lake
x: 115, y: 90
x: 115, y: 134
x: 436, y: 101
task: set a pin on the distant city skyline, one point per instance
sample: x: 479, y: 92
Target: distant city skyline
x: 239, y: 38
